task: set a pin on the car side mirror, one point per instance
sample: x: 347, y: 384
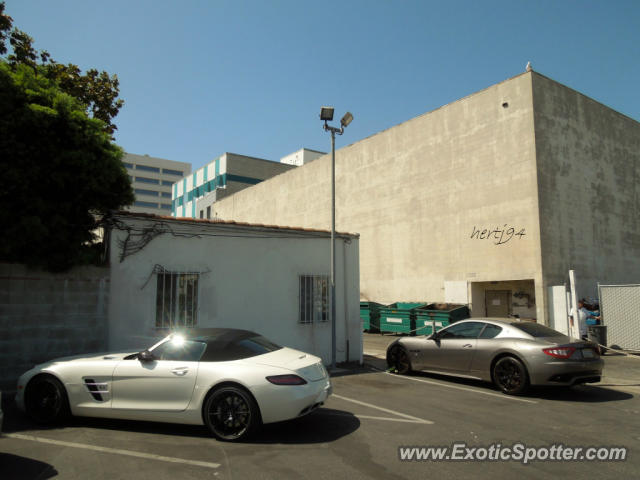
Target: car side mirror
x: 146, y: 356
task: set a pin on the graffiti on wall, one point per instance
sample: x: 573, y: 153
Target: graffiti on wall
x: 498, y: 236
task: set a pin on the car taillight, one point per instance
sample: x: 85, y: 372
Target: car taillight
x: 559, y: 352
x: 286, y: 380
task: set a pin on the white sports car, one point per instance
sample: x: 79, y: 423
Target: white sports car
x: 230, y: 380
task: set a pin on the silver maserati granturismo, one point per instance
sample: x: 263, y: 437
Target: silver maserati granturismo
x: 230, y: 380
x: 510, y: 353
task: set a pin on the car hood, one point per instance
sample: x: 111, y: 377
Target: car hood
x: 304, y: 364
x: 91, y: 357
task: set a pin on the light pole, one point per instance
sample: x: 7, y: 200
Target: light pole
x: 326, y: 115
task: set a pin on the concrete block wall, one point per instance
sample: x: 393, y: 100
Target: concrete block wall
x: 45, y: 316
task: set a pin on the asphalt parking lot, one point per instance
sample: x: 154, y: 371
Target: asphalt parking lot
x: 356, y: 435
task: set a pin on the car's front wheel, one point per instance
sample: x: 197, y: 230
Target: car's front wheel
x: 510, y: 376
x: 398, y: 359
x: 231, y: 414
x: 46, y: 400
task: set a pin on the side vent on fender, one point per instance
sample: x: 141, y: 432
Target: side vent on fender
x: 96, y: 389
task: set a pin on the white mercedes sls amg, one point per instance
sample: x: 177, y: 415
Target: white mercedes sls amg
x: 230, y: 380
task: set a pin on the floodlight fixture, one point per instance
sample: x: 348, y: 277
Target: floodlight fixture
x: 326, y: 114
x: 346, y: 120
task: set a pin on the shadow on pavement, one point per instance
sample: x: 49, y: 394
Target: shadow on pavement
x: 323, y: 425
x: 14, y: 467
x: 590, y: 393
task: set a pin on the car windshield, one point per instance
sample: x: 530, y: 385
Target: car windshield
x: 179, y: 349
x: 536, y: 330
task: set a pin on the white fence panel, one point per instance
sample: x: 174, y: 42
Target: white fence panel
x: 620, y: 310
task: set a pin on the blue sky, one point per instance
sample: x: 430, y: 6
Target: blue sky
x: 203, y: 77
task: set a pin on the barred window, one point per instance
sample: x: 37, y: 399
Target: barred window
x: 177, y: 300
x: 314, y: 298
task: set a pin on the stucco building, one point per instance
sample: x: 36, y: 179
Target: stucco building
x: 489, y: 200
x: 182, y: 272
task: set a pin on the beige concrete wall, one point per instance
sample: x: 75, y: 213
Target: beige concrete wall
x: 589, y: 188
x: 417, y: 191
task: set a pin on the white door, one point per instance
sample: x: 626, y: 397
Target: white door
x: 165, y: 383
x: 558, y: 311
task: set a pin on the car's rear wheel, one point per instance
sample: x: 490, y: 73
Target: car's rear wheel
x: 510, y: 376
x: 46, y: 400
x: 398, y: 358
x: 231, y: 414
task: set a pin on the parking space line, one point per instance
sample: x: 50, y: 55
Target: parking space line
x: 116, y: 451
x: 457, y: 387
x: 370, y: 417
x: 393, y: 412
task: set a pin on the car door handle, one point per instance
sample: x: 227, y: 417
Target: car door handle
x: 467, y: 345
x: 180, y: 371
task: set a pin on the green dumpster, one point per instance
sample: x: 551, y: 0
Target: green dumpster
x: 370, y: 316
x: 442, y: 314
x: 398, y: 318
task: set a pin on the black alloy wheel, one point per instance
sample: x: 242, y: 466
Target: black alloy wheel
x: 231, y: 414
x: 46, y: 400
x: 510, y: 376
x: 398, y: 358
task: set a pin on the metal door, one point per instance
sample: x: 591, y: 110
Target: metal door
x: 497, y: 303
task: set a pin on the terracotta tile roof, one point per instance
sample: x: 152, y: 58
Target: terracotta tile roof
x: 124, y: 213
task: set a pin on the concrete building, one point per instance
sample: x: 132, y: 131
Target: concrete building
x: 489, y: 200
x: 301, y: 157
x: 194, y: 195
x: 152, y: 179
x: 272, y: 280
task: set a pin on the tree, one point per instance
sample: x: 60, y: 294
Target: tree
x: 61, y: 171
x: 97, y: 90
